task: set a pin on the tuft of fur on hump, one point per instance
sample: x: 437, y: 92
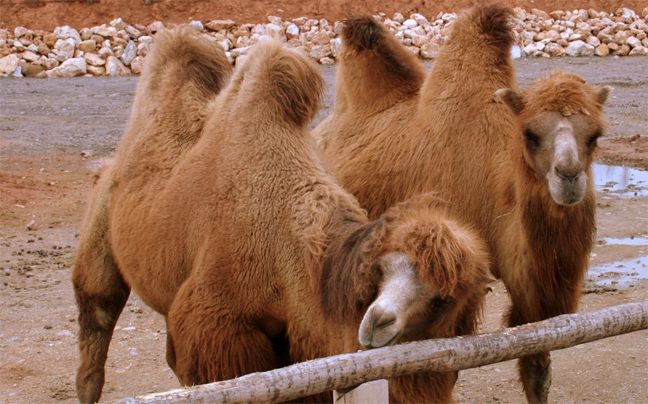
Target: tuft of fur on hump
x: 381, y: 70
x: 183, y: 72
x: 288, y: 81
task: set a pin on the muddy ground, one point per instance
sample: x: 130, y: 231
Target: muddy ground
x: 54, y: 131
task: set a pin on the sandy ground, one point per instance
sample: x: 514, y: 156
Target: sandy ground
x: 52, y: 132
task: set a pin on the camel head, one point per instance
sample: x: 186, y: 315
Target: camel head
x: 406, y: 276
x: 559, y: 123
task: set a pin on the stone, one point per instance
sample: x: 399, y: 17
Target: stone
x: 321, y: 38
x: 602, y: 50
x: 155, y: 26
x: 430, y: 50
x: 540, y: 14
x: 87, y: 46
x: 583, y: 15
x: 67, y: 32
x: 50, y: 63
x: 145, y: 39
x: 20, y: 31
x: 105, y: 51
x: 130, y: 51
x: 86, y: 33
x: 70, y: 68
x: 137, y: 64
x: 633, y: 42
x: 106, y: 32
x: 318, y: 52
x: 410, y: 23
x: 592, y: 40
x: 8, y: 65
x: 30, y: 69
x: 275, y: 20
x: 96, y: 70
x: 579, y: 48
x: 327, y: 61
x: 94, y: 60
x: 133, y: 32
x: 335, y: 45
x: 623, y: 50
x: 29, y: 56
x: 292, y: 31
x: 274, y: 30
x: 114, y: 67
x: 420, y: 40
x: 639, y: 51
x: 118, y: 23
x: 420, y: 20
x: 516, y: 52
x: 197, y: 25
x: 43, y: 49
x: 398, y: 17
x: 554, y: 50
x: 68, y: 46
x: 217, y: 25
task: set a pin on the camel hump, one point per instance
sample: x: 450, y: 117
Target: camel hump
x: 491, y: 22
x: 362, y: 32
x: 376, y: 70
x: 183, y: 55
x: 287, y: 78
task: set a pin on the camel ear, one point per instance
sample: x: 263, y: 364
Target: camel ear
x: 512, y: 99
x: 603, y: 94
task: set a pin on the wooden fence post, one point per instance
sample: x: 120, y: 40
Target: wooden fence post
x: 438, y: 355
x: 376, y: 392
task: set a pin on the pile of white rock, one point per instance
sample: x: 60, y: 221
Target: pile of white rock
x: 119, y: 48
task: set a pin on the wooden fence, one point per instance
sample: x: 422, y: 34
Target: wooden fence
x: 439, y: 355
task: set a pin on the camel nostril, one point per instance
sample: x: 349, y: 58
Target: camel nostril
x: 568, y: 174
x: 385, y: 322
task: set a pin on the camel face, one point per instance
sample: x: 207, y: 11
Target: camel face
x: 402, y: 299
x: 559, y: 149
x: 559, y: 137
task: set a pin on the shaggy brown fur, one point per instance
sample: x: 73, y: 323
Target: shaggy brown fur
x: 524, y: 181
x: 221, y: 214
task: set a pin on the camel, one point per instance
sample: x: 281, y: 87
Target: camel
x: 220, y: 212
x: 514, y: 164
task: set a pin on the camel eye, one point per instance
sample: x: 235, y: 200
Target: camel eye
x: 531, y: 139
x: 592, y: 141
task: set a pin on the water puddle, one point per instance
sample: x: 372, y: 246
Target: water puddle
x: 622, y: 272
x: 624, y: 182
x: 632, y: 241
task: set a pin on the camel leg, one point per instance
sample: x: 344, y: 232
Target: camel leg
x: 206, y: 342
x: 535, y: 371
x: 100, y: 290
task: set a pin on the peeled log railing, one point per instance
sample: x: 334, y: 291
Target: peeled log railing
x: 439, y: 355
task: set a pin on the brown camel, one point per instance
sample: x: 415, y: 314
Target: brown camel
x: 515, y: 165
x: 219, y: 211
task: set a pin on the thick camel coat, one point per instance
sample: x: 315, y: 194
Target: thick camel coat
x: 220, y: 212
x: 450, y: 132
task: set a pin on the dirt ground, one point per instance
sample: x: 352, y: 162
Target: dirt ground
x: 52, y: 133
x: 47, y: 14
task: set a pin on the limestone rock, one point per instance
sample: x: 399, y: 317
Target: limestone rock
x: 292, y: 31
x: 67, y: 32
x: 197, y: 25
x: 88, y: 45
x: 130, y: 51
x: 70, y: 68
x: 94, y: 60
x: 137, y: 64
x: 579, y: 48
x: 96, y: 70
x: 217, y: 25
x: 114, y: 67
x: 318, y: 52
x: 8, y: 64
x: 639, y: 51
x: 602, y: 50
x: 30, y: 69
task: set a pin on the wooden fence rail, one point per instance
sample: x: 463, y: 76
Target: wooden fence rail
x: 347, y: 370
